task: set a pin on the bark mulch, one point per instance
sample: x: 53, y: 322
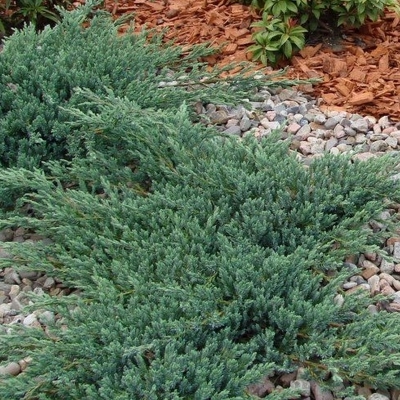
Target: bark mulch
x: 359, y: 68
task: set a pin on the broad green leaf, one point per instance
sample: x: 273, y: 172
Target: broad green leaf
x: 284, y: 39
x: 292, y: 7
x: 288, y: 49
x: 298, y: 41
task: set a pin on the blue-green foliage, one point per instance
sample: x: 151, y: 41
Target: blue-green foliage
x: 39, y: 73
x: 204, y: 262
x: 214, y: 274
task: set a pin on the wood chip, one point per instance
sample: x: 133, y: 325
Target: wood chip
x: 361, y: 98
x: 230, y: 48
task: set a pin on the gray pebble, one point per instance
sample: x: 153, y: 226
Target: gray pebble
x: 12, y: 368
x: 332, y: 122
x: 360, y: 125
x: 245, y: 124
x: 303, y: 385
x: 233, y: 131
x: 11, y: 277
x: 378, y: 396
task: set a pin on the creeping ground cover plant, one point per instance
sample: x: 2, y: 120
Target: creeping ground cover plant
x: 200, y: 263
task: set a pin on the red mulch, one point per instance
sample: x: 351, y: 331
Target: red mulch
x: 360, y: 74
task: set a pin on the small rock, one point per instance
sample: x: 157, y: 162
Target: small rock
x: 270, y: 115
x: 303, y: 385
x: 12, y: 368
x: 343, y: 147
x: 7, y: 235
x: 172, y: 13
x: 360, y: 138
x: 287, y: 378
x: 396, y: 250
x: 305, y: 148
x: 387, y: 290
x: 373, y: 282
x: 372, y: 309
x: 378, y: 396
x: 349, y: 285
x: 364, y: 391
x: 332, y: 122
x: 46, y: 317
x: 269, y: 124
x: 332, y: 142
x: 11, y: 277
x: 24, y: 363
x: 4, y: 309
x: 287, y: 94
x: 4, y: 253
x: 394, y: 307
x: 218, y: 117
x: 319, y: 393
x: 369, y: 271
x: 395, y: 394
x: 363, y: 286
x: 293, y: 128
x: 370, y: 256
x: 320, y: 119
x: 14, y: 291
x: 384, y: 122
x: 388, y: 278
x: 245, y: 124
x: 262, y: 388
x: 391, y: 141
x: 339, y: 300
x: 304, y: 132
x: 378, y: 146
x: 360, y: 125
x: 232, y: 122
x: 233, y: 131
x: 364, y: 156
x: 50, y: 282
x: 387, y: 267
x: 19, y: 232
x: 30, y: 319
x: 27, y: 274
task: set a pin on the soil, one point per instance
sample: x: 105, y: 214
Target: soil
x: 359, y: 68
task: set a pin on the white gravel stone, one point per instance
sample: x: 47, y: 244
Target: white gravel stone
x: 373, y: 282
x: 360, y: 125
x: 387, y: 266
x: 378, y: 396
x: 30, y: 319
x: 320, y: 119
x: 303, y: 385
x: 14, y: 291
x: 384, y: 122
x: 339, y: 300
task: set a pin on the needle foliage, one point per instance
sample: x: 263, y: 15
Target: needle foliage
x: 203, y: 262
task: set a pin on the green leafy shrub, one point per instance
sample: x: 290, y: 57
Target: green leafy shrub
x: 39, y: 73
x: 224, y: 270
x: 286, y: 23
x: 204, y: 262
